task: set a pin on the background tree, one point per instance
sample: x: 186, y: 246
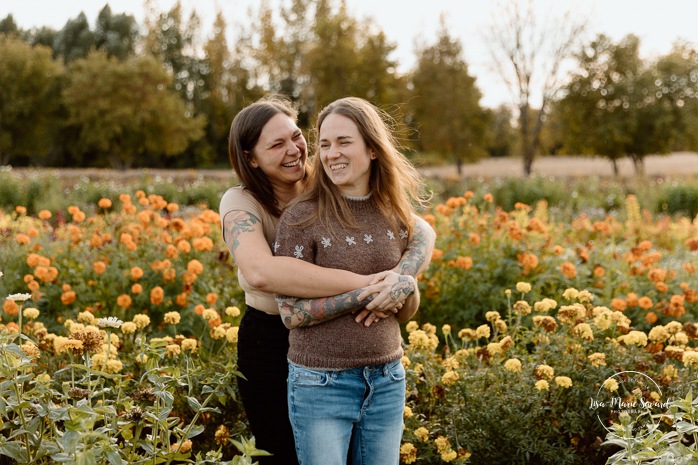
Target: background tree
x: 9, y: 27
x: 28, y: 100
x: 501, y: 137
x: 116, y: 34
x: 445, y: 105
x: 528, y: 54
x: 75, y: 40
x: 127, y: 111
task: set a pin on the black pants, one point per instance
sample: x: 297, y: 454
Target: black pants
x: 262, y: 351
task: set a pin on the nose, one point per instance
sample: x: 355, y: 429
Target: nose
x: 292, y: 148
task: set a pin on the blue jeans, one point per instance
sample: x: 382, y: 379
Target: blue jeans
x: 347, y: 416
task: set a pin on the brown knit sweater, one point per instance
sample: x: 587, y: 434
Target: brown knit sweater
x: 343, y: 343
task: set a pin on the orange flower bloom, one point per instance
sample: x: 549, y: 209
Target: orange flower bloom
x: 661, y: 287
x: 79, y: 216
x: 199, y: 309
x: 437, y: 254
x: 211, y: 298
x: 689, y: 268
x: 464, y: 262
x: 528, y: 260
x: 96, y: 240
x: 169, y: 274
x: 488, y: 198
x: 172, y: 207
x: 651, y: 318
x: 202, y: 244
x: 68, y: 297
x: 599, y: 271
x: 182, y: 299
x: 619, y: 305
x: 136, y: 289
x: 22, y: 239
x: 136, y: 273
x: 171, y: 251
x: 157, y: 295
x: 632, y: 300
x: 104, y: 203
x: 33, y: 232
x: 34, y: 260
x: 10, y: 307
x: 21, y: 210
x: 184, y: 246
x: 195, y: 266
x: 431, y: 219
x: 99, y: 267
x: 189, y: 278
x: 45, y: 214
x: 558, y: 250
x: 645, y: 303
x: 568, y: 269
x: 474, y: 239
x: 124, y: 301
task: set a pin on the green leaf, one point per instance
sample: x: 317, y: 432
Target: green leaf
x: 193, y: 404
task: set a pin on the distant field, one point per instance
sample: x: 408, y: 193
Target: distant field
x: 676, y: 164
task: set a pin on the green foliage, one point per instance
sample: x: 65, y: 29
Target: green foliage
x: 679, y: 199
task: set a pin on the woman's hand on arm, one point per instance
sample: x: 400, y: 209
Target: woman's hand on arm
x: 244, y: 235
x: 297, y: 313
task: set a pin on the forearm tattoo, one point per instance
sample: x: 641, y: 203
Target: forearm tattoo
x: 415, y: 254
x: 297, y: 312
x: 402, y: 288
x: 236, y: 224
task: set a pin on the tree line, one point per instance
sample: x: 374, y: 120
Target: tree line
x: 124, y: 95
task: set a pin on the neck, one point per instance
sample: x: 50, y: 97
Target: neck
x: 286, y: 193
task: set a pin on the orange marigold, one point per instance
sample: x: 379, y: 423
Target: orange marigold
x: 599, y: 271
x: 22, y: 239
x: 10, y: 307
x: 99, y: 267
x: 136, y: 288
x: 44, y: 214
x: 211, y: 298
x: 182, y: 299
x: 661, y: 287
x: 136, y: 272
x: 124, y: 301
x: 618, y: 304
x: 104, y: 203
x: 184, y: 246
x: 464, y: 262
x: 157, y: 295
x: 632, y: 300
x: 645, y: 303
x: 488, y: 198
x: 195, y: 266
x: 651, y: 318
x: 568, y: 269
x: 437, y: 254
x: 68, y: 297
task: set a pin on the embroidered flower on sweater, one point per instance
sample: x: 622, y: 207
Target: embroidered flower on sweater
x: 276, y: 246
x: 350, y: 240
x: 368, y: 238
x: 298, y: 252
x: 403, y: 234
x: 391, y: 235
x: 326, y: 242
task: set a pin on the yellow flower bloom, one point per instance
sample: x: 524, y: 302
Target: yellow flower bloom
x: 407, y: 412
x: 544, y: 372
x: 129, y: 327
x: 570, y: 293
x: 542, y: 385
x: 408, y: 453
x: 412, y: 326
x: 232, y: 311
x: 563, y: 381
x: 141, y: 320
x: 450, y: 378
x: 610, y: 384
x: 513, y: 365
x: 482, y: 331
x: 172, y: 318
x: 449, y: 456
x: 31, y: 313
x: 597, y: 359
x: 173, y: 350
x: 421, y: 433
x: 523, y: 287
x: 492, y: 316
x: 231, y: 334
x: 189, y: 345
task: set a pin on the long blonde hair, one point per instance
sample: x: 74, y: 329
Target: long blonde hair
x: 395, y: 183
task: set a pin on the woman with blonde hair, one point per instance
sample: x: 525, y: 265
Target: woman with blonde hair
x: 346, y: 383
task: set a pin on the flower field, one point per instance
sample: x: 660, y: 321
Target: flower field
x: 119, y: 333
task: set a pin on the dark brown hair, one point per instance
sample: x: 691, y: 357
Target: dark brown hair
x: 244, y: 134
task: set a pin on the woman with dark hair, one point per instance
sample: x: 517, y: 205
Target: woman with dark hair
x: 268, y: 153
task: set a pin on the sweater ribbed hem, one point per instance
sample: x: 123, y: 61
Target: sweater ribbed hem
x: 322, y: 363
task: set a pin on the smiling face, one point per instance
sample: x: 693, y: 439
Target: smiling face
x: 281, y: 152
x: 344, y: 155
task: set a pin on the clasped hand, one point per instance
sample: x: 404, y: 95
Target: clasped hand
x: 389, y: 290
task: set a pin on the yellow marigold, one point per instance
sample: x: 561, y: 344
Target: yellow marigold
x: 450, y: 378
x: 210, y: 314
x: 659, y: 334
x: 513, y: 365
x: 405, y: 360
x: 449, y: 456
x: 494, y: 348
x: 690, y: 359
x: 30, y: 350
x: 222, y: 435
x: 173, y: 350
x: 189, y: 345
x: 492, y: 316
x: 467, y: 333
x: 482, y: 331
x: 610, y: 385
x: 500, y: 325
x: 172, y: 318
x: 597, y: 359
x: 563, y: 381
x: 407, y: 412
x: 637, y: 338
x: 570, y: 293
x: 583, y: 330
x: 218, y: 332
x: 544, y: 372
x: 545, y: 305
x: 421, y: 433
x: 521, y: 307
x: 231, y: 334
x: 408, y: 453
x: 542, y: 385
x: 446, y: 330
x: 141, y: 320
x: 429, y: 328
x: 104, y: 203
x: 585, y: 296
x: 442, y: 444
x: 232, y: 311
x: 129, y: 327
x: 30, y: 313
x: 186, y: 444
x: 523, y: 287
x: 412, y: 326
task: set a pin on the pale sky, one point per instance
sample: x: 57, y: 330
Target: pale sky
x: 658, y: 23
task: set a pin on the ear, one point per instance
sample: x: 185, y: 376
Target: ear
x: 373, y: 155
x: 251, y: 159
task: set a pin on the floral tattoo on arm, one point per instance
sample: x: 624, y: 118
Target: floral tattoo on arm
x: 402, y: 288
x: 298, y: 313
x: 414, y: 255
x: 236, y: 224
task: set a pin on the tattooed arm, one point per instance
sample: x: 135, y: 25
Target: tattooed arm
x: 296, y: 312
x: 243, y: 233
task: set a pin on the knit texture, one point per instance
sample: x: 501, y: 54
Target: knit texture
x: 375, y: 246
